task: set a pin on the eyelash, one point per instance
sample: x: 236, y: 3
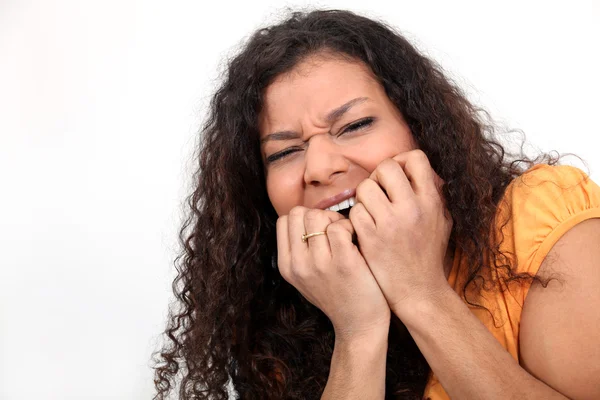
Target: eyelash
x: 353, y: 127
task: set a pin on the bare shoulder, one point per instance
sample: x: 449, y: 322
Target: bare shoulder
x: 559, y: 340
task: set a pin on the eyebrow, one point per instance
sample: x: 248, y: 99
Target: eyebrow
x: 333, y: 116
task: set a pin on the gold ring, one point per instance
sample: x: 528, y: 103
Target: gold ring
x: 306, y: 236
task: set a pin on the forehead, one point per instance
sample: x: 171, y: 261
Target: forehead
x: 314, y: 87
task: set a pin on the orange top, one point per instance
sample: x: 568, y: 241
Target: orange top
x: 546, y: 202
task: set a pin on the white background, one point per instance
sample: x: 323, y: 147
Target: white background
x: 100, y: 104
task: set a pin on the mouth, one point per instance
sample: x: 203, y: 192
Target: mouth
x: 345, y: 212
x: 335, y: 203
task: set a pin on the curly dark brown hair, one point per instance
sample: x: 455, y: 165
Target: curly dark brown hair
x: 238, y: 318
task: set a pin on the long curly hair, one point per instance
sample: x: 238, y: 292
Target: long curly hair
x: 238, y: 322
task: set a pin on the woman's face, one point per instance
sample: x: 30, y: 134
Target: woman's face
x: 324, y: 128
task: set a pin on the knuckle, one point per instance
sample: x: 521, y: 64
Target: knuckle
x: 419, y: 154
x: 281, y: 221
x: 434, y: 201
x: 313, y: 215
x: 282, y: 264
x: 285, y: 274
x: 358, y: 209
x: 339, y: 234
x: 387, y: 163
x: 335, y: 228
x: 296, y: 260
x: 414, y: 215
x: 357, y: 206
x: 297, y: 212
x: 361, y: 188
x: 343, y: 263
x: 296, y: 270
x: 321, y: 267
x: 284, y: 268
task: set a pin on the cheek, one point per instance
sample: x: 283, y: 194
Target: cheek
x: 284, y: 192
x: 386, y: 145
x: 373, y: 154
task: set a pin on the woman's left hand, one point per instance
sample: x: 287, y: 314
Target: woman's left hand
x: 403, y: 235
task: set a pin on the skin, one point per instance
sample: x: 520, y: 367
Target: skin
x: 357, y: 290
x: 325, y: 158
x: 327, y: 163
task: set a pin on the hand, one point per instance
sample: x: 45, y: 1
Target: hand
x: 403, y: 230
x: 329, y: 271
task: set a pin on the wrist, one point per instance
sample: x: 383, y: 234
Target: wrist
x: 358, y: 366
x: 372, y: 338
x: 362, y: 349
x: 423, y: 309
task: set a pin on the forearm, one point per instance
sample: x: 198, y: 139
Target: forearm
x: 469, y: 362
x: 358, y: 368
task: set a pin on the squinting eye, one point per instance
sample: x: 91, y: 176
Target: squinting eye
x: 359, y: 125
x: 362, y: 124
x: 281, y: 154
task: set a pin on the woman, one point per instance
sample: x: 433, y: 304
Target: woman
x: 356, y: 232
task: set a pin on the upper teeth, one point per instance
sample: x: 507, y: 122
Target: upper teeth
x: 343, y: 205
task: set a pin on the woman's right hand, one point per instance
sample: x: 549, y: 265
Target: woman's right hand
x: 329, y: 271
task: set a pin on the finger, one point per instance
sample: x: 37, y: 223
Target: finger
x: 417, y: 169
x: 362, y: 221
x: 370, y: 194
x: 316, y: 220
x: 298, y: 250
x: 391, y: 178
x: 340, y: 234
x: 283, y: 247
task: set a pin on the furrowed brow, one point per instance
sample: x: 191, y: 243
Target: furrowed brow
x: 331, y: 117
x: 341, y: 110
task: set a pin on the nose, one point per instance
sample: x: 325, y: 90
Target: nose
x: 324, y: 161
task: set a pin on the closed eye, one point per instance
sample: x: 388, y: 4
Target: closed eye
x: 362, y: 124
x: 281, y: 154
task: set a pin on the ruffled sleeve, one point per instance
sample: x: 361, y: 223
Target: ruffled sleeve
x: 537, y: 208
x: 544, y: 203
